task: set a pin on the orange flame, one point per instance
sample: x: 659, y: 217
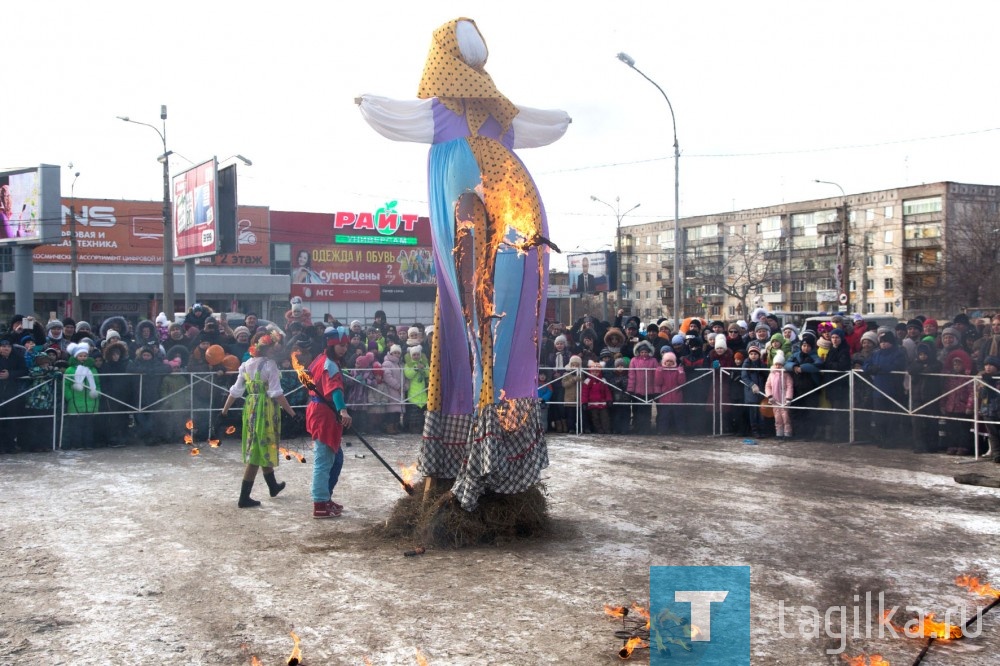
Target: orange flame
x: 926, y: 627
x: 195, y: 451
x: 643, y: 612
x: 516, y: 203
x: 288, y: 453
x: 421, y: 659
x: 295, y: 658
x: 615, y: 611
x: 972, y: 584
x: 300, y: 370
x: 188, y: 439
x: 630, y: 645
x: 189, y: 425
x: 230, y: 430
x: 214, y: 443
x: 408, y: 473
x: 874, y: 660
x: 254, y: 661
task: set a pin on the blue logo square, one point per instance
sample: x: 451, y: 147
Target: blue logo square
x: 699, y: 615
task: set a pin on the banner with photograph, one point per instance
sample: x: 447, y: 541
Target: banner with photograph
x: 196, y: 230
x: 588, y: 273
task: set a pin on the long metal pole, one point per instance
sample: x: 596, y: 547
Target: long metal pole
x: 74, y: 278
x: 168, y: 227
x: 845, y: 239
x: 678, y: 245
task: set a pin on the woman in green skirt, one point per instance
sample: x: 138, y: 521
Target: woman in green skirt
x: 259, y: 381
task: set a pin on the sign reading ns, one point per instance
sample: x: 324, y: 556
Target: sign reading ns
x: 702, y: 612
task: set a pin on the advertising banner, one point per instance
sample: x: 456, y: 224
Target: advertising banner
x: 29, y: 206
x: 588, y: 273
x: 195, y: 215
x: 362, y: 272
x: 131, y: 232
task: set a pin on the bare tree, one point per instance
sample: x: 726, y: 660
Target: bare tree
x: 737, y: 269
x: 973, y: 255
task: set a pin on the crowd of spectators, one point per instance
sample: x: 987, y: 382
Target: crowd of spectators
x: 757, y: 379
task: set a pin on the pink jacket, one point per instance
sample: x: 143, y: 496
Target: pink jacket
x: 667, y: 379
x: 642, y: 376
x: 779, y: 387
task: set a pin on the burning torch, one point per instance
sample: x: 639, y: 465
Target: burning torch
x: 307, y: 381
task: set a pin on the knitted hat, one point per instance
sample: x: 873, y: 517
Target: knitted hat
x: 75, y: 350
x: 742, y: 324
x: 26, y: 339
x: 915, y: 323
x: 55, y: 323
x: 720, y: 342
x: 950, y: 331
x: 839, y: 332
x: 161, y: 319
x: 761, y: 326
x: 871, y: 337
x: 395, y: 349
x: 677, y: 339
x: 753, y: 347
x: 779, y: 358
x: 240, y: 329
x: 4, y: 341
x: 412, y: 337
x: 669, y: 356
x: 416, y: 350
x: 606, y: 352
x: 809, y: 338
x: 992, y: 360
x: 82, y: 326
x: 961, y: 318
x: 560, y: 338
x: 113, y: 335
x: 889, y: 337
x: 355, y: 324
x: 930, y: 322
x: 621, y: 362
x: 335, y: 335
x: 925, y: 348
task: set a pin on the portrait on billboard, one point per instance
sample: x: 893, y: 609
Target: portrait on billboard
x: 588, y: 273
x: 19, y: 205
x: 302, y: 271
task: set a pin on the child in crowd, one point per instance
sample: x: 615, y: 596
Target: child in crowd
x: 416, y: 370
x: 544, y: 396
x: 596, y: 399
x: 778, y: 390
x: 754, y: 376
x: 668, y: 382
x: 642, y: 385
x: 571, y: 379
x: 392, y: 384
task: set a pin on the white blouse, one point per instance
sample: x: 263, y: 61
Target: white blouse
x: 269, y: 373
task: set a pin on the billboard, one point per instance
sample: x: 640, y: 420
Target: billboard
x: 196, y: 229
x: 589, y: 273
x: 110, y: 231
x: 29, y: 205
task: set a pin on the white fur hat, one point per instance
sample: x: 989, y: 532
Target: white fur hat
x: 395, y: 349
x: 779, y: 358
x: 416, y: 350
x: 720, y: 342
x: 78, y: 348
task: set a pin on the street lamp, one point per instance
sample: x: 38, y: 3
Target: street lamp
x: 619, y: 216
x: 74, y: 279
x: 168, y: 236
x: 628, y: 60
x: 845, y: 239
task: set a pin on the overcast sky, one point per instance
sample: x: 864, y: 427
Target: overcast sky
x: 769, y: 96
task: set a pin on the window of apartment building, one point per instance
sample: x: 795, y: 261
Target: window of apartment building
x: 281, y: 258
x: 636, y: 278
x: 918, y: 231
x: 921, y: 206
x: 888, y: 283
x: 744, y: 232
x: 870, y: 308
x: 798, y: 285
x: 649, y: 257
x: 870, y: 284
x: 870, y: 261
x: 659, y: 276
x: 888, y: 212
x: 888, y: 308
x: 730, y: 270
x: 774, y: 286
x: 888, y: 260
x: 732, y: 229
x: 869, y: 214
x: 853, y: 286
x: 828, y: 283
x: 647, y: 276
x: 649, y: 294
x: 661, y: 293
x: 798, y: 306
x: 666, y: 240
x: 648, y: 313
x: 732, y: 310
x: 888, y: 237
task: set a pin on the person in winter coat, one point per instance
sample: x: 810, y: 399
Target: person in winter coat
x: 117, y: 388
x: 150, y: 371
x: 753, y: 377
x: 40, y: 402
x: 557, y: 362
x: 925, y: 389
x: 621, y: 411
x: 885, y: 367
x: 642, y: 386
x: 13, y: 374
x: 668, y: 381
x: 359, y: 380
x: 81, y: 389
x: 416, y: 370
x: 990, y: 393
x: 697, y: 385
x: 571, y: 379
x: 55, y: 338
x: 392, y: 380
x: 197, y: 316
x: 837, y: 385
x: 804, y: 368
x: 596, y: 399
x: 146, y: 334
x: 779, y: 391
x: 958, y: 403
x: 721, y: 358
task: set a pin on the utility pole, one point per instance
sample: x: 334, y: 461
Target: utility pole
x: 76, y: 310
x: 844, y: 278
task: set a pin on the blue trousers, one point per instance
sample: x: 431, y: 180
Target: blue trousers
x: 326, y: 470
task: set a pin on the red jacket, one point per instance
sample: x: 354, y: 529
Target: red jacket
x: 596, y: 394
x: 321, y: 419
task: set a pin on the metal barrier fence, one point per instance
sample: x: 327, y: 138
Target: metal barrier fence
x: 197, y: 396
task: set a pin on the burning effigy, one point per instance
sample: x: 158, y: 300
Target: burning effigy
x: 482, y: 430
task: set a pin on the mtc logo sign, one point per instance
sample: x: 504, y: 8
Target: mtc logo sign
x: 702, y: 612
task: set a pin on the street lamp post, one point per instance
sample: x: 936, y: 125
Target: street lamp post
x: 845, y: 239
x: 168, y: 237
x: 619, y: 216
x: 74, y: 278
x: 628, y: 60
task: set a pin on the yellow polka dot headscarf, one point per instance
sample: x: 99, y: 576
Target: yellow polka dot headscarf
x: 465, y: 89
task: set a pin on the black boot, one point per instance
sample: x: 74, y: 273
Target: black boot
x: 272, y: 485
x: 245, y: 500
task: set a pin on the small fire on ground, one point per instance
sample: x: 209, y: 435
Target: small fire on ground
x: 864, y: 660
